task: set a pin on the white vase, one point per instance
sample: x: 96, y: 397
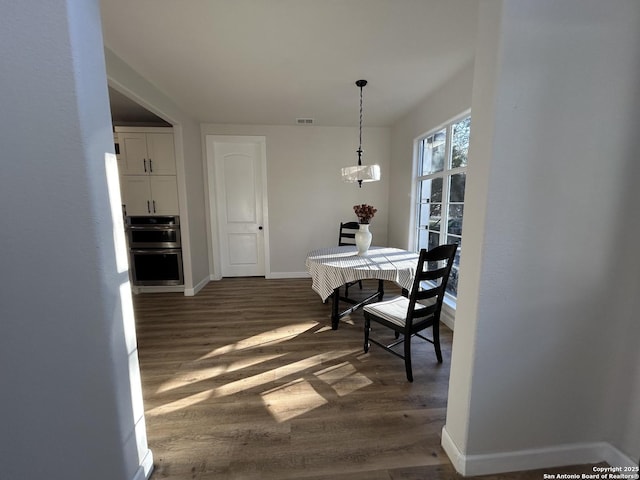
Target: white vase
x: 363, y: 239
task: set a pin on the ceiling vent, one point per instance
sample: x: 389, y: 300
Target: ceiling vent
x: 304, y: 121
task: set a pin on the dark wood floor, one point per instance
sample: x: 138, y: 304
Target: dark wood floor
x: 246, y: 380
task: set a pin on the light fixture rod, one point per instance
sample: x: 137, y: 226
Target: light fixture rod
x: 361, y: 84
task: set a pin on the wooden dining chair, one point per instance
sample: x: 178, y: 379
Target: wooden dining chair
x: 409, y: 316
x: 347, y: 236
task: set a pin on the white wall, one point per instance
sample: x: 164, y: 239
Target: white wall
x: 189, y: 165
x: 307, y: 198
x: 71, y: 402
x: 450, y: 100
x: 544, y: 368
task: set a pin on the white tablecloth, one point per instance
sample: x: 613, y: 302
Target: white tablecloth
x: 332, y: 267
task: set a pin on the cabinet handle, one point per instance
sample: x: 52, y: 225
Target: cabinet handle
x: 148, y: 207
x: 150, y: 166
x: 144, y: 160
x: 154, y: 206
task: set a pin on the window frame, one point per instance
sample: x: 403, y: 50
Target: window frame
x: 446, y: 173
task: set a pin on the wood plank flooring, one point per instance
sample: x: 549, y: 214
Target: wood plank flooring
x: 246, y: 380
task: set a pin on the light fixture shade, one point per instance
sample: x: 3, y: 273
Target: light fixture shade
x: 361, y: 173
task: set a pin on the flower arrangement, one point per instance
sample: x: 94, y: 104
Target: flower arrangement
x: 364, y: 212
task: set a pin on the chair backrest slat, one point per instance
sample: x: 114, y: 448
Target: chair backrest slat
x: 432, y: 274
x: 425, y: 311
x: 347, y: 233
x: 426, y: 294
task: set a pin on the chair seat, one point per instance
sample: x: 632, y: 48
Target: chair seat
x: 393, y: 310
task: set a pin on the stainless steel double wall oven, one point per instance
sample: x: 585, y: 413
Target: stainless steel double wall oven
x: 155, y: 250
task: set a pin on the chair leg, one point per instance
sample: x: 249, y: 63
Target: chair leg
x: 407, y: 357
x: 346, y: 290
x: 436, y: 340
x: 360, y: 284
x: 367, y: 327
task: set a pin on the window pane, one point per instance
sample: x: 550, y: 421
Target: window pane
x: 436, y: 190
x: 425, y: 191
x: 422, y: 239
x: 455, y: 239
x: 435, y: 216
x: 434, y: 240
x: 456, y: 187
x: 433, y: 152
x: 431, y: 190
x: 452, y: 285
x: 454, y: 225
x: 424, y: 215
x: 460, y: 142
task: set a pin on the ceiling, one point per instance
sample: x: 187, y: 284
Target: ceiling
x: 273, y: 61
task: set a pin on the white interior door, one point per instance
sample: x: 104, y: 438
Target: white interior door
x: 240, y: 201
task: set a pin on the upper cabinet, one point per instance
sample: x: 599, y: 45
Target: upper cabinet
x: 147, y: 168
x: 146, y: 153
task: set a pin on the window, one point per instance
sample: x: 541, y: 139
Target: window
x: 441, y: 177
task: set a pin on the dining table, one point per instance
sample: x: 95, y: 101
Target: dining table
x: 331, y: 268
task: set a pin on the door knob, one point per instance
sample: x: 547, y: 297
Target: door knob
x: 260, y: 227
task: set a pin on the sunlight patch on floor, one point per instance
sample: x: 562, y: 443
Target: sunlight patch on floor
x: 299, y: 396
x: 203, y: 374
x: 311, y: 362
x: 272, y: 337
x: 323, y: 329
x: 281, y: 401
x: 253, y: 381
x: 179, y: 404
x: 343, y: 378
x: 292, y: 400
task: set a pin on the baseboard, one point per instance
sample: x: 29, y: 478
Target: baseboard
x: 276, y: 275
x: 190, y: 292
x: 146, y: 467
x: 533, y: 459
x: 447, y: 316
x: 157, y: 289
x: 453, y: 452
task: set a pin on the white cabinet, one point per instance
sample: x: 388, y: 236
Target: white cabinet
x: 149, y: 195
x: 146, y: 153
x: 147, y: 168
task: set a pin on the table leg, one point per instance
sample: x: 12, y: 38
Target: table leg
x: 380, y: 290
x: 335, y: 302
x: 336, y: 314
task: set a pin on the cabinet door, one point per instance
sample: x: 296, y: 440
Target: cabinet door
x: 164, y: 194
x: 161, y: 153
x: 134, y: 159
x: 136, y: 194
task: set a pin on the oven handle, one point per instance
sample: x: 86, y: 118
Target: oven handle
x: 155, y: 251
x: 153, y: 227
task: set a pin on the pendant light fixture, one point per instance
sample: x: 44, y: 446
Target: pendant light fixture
x: 361, y: 173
